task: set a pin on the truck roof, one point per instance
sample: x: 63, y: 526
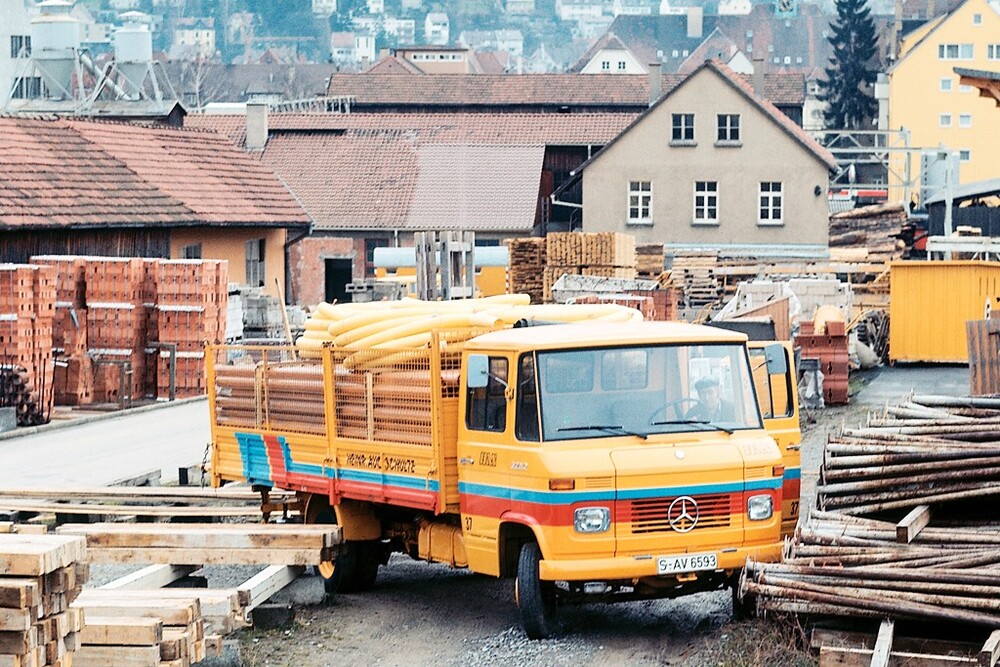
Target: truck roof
x: 600, y: 334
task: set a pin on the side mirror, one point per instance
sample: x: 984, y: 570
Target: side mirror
x: 777, y: 362
x: 477, y: 371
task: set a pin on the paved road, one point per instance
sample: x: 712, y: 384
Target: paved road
x: 891, y: 383
x: 103, y: 451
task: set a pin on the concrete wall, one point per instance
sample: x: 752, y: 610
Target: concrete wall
x: 14, y: 20
x: 230, y: 244
x: 766, y: 153
x: 916, y: 100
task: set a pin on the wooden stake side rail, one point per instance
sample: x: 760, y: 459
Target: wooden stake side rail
x: 146, y: 493
x: 103, y: 509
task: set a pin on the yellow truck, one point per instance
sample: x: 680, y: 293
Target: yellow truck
x: 589, y: 462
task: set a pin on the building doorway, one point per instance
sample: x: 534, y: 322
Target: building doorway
x: 338, y: 273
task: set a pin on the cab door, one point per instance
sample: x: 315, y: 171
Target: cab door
x: 777, y: 396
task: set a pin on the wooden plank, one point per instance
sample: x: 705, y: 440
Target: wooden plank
x: 152, y: 576
x: 990, y: 652
x: 837, y: 656
x: 119, y: 656
x: 19, y: 593
x: 883, y: 644
x: 17, y: 620
x: 122, y: 631
x: 263, y: 585
x: 18, y: 643
x: 213, y: 646
x: 213, y: 602
x: 35, y: 555
x: 171, y: 612
x: 910, y: 526
x: 209, y: 556
x: 128, y: 510
x: 172, y: 493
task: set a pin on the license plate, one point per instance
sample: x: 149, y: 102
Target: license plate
x: 687, y: 563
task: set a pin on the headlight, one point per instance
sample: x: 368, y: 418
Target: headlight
x: 592, y: 519
x: 760, y: 508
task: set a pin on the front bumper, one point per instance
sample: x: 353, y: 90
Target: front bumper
x: 639, y: 567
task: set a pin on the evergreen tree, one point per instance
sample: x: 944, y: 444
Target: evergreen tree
x: 851, y: 75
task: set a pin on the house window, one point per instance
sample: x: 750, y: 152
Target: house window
x: 955, y: 52
x: 729, y: 127
x: 965, y: 155
x: 640, y: 202
x: 192, y: 251
x: 965, y: 89
x: 27, y: 88
x: 946, y: 84
x: 18, y: 42
x: 977, y: 19
x: 621, y: 65
x: 682, y: 127
x: 706, y: 203
x: 993, y: 51
x: 255, y: 263
x: 605, y: 65
x: 944, y: 120
x: 771, y: 205
x: 965, y: 120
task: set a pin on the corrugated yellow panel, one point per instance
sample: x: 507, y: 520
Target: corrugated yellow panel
x: 930, y: 302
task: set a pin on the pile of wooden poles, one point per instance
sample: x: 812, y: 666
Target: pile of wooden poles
x: 17, y: 391
x: 900, y: 527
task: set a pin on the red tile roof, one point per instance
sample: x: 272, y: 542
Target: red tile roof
x: 385, y: 171
x: 73, y: 173
x: 527, y: 90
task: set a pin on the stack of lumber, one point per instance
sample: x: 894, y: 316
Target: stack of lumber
x: 906, y: 523
x: 603, y: 254
x: 27, y: 311
x: 649, y: 261
x: 527, y: 264
x: 41, y: 576
x: 695, y: 274
x: 73, y: 383
x: 143, y: 628
x: 190, y: 298
x: 871, y: 232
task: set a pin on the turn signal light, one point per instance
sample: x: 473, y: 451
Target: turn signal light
x: 562, y: 484
x: 778, y: 471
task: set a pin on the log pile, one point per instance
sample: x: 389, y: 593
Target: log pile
x: 904, y: 524
x: 872, y: 230
x: 42, y: 576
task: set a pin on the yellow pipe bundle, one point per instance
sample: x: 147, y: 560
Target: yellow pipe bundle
x: 407, y: 324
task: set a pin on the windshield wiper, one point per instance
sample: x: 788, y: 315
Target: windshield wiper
x: 602, y: 427
x: 700, y: 422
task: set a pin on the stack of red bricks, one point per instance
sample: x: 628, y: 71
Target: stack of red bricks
x: 27, y: 310
x: 73, y: 382
x: 116, y: 327
x: 191, y: 301
x: 831, y: 350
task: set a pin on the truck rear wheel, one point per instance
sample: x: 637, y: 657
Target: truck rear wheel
x: 535, y: 598
x: 356, y: 566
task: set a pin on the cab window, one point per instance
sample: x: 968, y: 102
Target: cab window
x: 526, y: 418
x: 487, y: 406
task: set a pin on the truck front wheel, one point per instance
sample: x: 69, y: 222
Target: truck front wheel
x: 535, y: 598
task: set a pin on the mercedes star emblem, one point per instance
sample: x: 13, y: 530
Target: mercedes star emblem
x: 683, y: 514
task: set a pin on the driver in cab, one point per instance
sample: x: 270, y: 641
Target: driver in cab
x: 711, y: 406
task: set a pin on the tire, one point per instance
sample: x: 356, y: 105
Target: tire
x: 356, y: 567
x: 536, y: 599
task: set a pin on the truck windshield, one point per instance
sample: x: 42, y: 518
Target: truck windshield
x: 639, y: 391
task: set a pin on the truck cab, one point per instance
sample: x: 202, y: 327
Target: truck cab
x: 604, y: 462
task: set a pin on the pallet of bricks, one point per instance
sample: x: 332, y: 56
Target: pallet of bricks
x: 40, y: 576
x: 603, y: 254
x: 527, y: 260
x: 830, y: 348
x: 73, y: 379
x: 27, y: 309
x: 191, y: 301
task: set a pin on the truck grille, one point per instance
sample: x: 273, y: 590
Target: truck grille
x: 650, y: 516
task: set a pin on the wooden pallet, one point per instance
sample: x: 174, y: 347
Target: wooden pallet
x: 856, y: 649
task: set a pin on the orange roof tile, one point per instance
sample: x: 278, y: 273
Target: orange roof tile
x: 74, y: 173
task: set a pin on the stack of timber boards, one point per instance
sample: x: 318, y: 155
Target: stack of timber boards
x: 40, y: 575
x: 527, y: 264
x: 696, y: 274
x: 603, y: 254
x: 140, y: 631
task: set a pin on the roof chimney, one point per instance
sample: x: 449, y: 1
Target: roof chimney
x: 758, y: 77
x: 256, y: 126
x: 695, y: 16
x: 655, y: 83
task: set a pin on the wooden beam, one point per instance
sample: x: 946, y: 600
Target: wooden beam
x: 910, y: 526
x: 122, y: 631
x: 990, y: 652
x: 883, y: 644
x: 267, y: 582
x: 209, y: 556
x: 178, y: 493
x: 153, y: 576
x: 127, y: 510
x: 839, y: 656
x: 119, y: 656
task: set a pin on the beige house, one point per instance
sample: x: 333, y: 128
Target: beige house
x: 711, y: 165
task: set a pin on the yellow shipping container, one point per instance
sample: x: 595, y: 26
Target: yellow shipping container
x: 930, y: 302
